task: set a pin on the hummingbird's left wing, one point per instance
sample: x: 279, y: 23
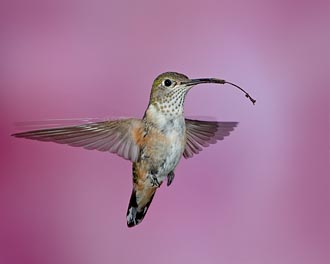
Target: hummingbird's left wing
x: 203, y: 133
x: 116, y: 136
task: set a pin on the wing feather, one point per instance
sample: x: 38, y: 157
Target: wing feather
x: 116, y: 136
x: 203, y: 133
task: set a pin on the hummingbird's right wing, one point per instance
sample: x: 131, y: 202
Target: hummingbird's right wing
x: 203, y: 133
x: 116, y: 136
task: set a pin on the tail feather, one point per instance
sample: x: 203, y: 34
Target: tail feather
x: 138, y: 205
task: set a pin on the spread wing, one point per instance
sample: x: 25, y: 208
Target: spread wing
x: 203, y: 133
x: 117, y: 136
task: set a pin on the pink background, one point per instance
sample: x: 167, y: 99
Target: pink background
x: 260, y: 196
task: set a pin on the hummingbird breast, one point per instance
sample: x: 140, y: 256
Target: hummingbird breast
x: 163, y: 143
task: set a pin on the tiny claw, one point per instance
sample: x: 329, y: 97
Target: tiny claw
x: 170, y: 178
x: 154, y: 181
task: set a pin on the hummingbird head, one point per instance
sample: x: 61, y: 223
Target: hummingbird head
x: 168, y: 92
x: 170, y: 88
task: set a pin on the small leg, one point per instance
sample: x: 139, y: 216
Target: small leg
x: 170, y: 178
x: 154, y: 181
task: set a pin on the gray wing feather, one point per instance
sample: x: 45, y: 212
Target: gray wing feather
x: 203, y: 133
x: 117, y: 136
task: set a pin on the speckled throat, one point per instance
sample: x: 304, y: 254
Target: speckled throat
x: 172, y: 103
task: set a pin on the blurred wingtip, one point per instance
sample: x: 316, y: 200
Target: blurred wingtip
x: 47, y: 123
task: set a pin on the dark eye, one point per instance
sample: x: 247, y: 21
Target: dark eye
x: 167, y: 83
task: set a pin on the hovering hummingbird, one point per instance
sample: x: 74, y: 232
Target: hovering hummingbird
x: 154, y: 144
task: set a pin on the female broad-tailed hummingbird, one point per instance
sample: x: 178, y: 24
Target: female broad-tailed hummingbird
x: 155, y: 143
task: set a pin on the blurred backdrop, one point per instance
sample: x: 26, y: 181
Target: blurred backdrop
x: 259, y: 196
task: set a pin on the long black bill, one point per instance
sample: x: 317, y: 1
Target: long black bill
x: 214, y: 80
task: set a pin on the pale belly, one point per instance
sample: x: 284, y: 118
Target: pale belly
x: 163, y: 151
x: 172, y: 154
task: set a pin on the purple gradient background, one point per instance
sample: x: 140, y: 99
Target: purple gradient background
x: 260, y: 196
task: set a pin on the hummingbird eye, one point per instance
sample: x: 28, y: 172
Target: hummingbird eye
x: 167, y: 82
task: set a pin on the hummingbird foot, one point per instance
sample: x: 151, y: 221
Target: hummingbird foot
x: 170, y: 178
x: 154, y: 181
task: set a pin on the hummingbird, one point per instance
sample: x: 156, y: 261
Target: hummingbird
x: 154, y: 144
